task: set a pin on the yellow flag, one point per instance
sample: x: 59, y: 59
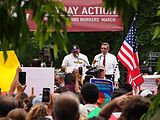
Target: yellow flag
x: 7, y: 70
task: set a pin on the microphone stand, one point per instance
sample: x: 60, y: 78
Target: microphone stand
x: 88, y: 66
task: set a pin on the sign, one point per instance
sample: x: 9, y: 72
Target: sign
x: 38, y: 78
x: 106, y: 89
x: 153, y: 61
x: 149, y: 82
x: 7, y: 70
x: 88, y: 16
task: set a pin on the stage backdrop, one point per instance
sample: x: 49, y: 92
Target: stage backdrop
x: 88, y: 16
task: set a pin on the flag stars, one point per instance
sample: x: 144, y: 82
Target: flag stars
x: 131, y: 38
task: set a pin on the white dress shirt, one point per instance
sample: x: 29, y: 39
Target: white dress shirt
x: 75, y: 62
x: 111, y: 64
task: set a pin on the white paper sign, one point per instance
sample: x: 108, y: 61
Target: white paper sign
x: 38, y: 78
x: 149, y: 82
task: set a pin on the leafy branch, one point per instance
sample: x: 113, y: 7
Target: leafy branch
x: 48, y: 15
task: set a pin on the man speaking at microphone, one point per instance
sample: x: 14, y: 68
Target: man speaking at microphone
x: 75, y: 59
x: 109, y: 61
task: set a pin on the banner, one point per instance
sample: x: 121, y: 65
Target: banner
x: 88, y: 16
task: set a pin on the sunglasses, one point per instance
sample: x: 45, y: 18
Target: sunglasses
x: 104, y: 48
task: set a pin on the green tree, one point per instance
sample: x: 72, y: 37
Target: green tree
x: 14, y: 30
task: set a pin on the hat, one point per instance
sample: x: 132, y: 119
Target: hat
x: 75, y: 48
x: 145, y: 93
x: 100, y: 67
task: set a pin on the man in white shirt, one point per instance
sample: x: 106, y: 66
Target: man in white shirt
x: 109, y: 61
x: 75, y: 59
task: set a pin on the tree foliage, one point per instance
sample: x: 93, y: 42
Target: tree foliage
x: 14, y: 30
x: 145, y: 24
x: 124, y: 7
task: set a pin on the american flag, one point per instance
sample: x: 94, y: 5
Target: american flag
x: 128, y: 56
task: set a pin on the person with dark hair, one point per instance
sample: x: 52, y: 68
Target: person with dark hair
x: 61, y: 90
x: 134, y: 108
x: 7, y: 103
x: 66, y: 107
x: 69, y: 81
x: 90, y: 94
x: 75, y: 59
x: 36, y: 62
x: 118, y: 92
x: 127, y: 87
x: 109, y: 61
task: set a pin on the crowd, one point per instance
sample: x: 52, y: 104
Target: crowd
x: 74, y: 97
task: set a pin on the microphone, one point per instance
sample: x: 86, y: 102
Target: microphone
x: 87, y: 66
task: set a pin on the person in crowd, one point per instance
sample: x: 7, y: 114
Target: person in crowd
x: 24, y: 101
x: 7, y: 103
x: 61, y: 90
x: 28, y: 102
x: 135, y: 107
x: 131, y: 107
x: 36, y: 62
x: 66, y: 107
x: 109, y: 61
x: 87, y: 78
x: 90, y: 94
x: 115, y: 105
x: 17, y: 114
x: 101, y: 72
x: 75, y: 59
x: 37, y: 111
x: 59, y: 80
x: 127, y: 87
x: 72, y: 82
x: 118, y: 92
